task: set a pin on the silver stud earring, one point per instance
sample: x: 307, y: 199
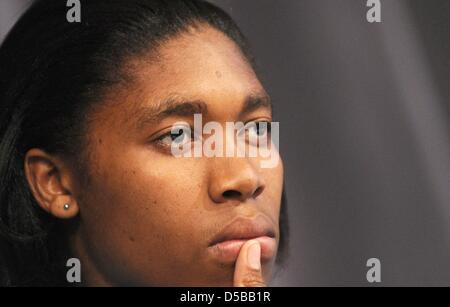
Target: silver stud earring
x: 66, y: 206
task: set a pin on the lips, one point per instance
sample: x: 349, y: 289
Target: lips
x: 226, y: 244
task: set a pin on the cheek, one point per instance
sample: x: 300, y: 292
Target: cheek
x: 273, y: 178
x: 143, y: 212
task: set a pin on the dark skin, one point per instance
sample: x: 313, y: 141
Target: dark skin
x: 146, y: 217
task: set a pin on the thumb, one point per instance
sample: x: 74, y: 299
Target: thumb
x: 247, y: 272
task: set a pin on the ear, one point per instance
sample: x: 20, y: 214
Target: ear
x: 51, y: 183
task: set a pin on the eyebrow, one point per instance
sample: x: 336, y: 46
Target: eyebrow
x: 178, y: 106
x: 172, y: 106
x: 254, y: 102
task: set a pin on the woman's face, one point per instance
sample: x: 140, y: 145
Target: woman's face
x: 148, y: 217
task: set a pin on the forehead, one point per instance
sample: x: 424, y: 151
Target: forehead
x: 200, y: 55
x: 201, y: 64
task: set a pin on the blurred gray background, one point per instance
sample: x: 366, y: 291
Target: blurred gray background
x: 364, y: 119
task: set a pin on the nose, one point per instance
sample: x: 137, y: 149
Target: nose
x: 234, y: 179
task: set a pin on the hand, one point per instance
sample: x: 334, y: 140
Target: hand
x: 247, y: 272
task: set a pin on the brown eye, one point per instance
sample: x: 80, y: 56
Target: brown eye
x: 263, y: 128
x: 254, y: 131
x: 177, y: 136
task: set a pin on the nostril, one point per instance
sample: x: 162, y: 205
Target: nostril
x: 232, y: 194
x: 235, y: 194
x: 258, y: 191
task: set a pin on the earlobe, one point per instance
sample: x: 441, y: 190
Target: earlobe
x: 50, y: 183
x: 64, y: 209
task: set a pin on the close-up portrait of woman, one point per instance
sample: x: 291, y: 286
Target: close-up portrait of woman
x: 224, y: 143
x: 86, y: 165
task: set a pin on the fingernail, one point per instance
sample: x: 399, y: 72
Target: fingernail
x: 254, y: 256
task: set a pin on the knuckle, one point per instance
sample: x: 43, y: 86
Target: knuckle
x: 253, y: 280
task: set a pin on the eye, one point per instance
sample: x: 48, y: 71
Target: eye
x: 257, y: 131
x: 177, y: 136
